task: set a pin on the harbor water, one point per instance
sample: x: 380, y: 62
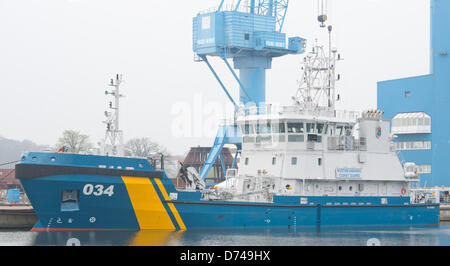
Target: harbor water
x: 438, y: 235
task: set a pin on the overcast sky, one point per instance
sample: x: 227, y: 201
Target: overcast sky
x: 57, y: 56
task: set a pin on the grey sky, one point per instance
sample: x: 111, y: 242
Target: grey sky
x: 57, y: 56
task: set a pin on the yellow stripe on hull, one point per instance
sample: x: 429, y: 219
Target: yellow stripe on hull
x: 149, y: 209
x: 171, y: 206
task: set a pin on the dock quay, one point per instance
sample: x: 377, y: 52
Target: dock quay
x: 17, y: 217
x: 445, y: 212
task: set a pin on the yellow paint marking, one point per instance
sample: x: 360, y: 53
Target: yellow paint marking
x: 147, y: 205
x: 171, y: 206
x: 152, y: 238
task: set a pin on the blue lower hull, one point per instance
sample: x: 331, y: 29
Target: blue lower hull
x: 118, y: 212
x: 109, y: 202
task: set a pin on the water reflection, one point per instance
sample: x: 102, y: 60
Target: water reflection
x: 107, y: 238
x: 385, y: 236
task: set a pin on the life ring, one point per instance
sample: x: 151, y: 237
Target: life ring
x: 404, y: 191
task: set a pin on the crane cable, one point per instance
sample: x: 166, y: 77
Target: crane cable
x: 3, y: 164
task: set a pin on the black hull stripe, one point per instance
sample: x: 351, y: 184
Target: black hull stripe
x: 30, y: 171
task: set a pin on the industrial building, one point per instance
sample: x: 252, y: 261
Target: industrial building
x: 196, y: 158
x: 419, y: 107
x: 8, y: 180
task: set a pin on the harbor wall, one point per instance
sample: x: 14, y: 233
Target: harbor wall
x: 17, y: 217
x: 445, y: 212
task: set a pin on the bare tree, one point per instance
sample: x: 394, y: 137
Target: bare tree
x: 143, y: 147
x: 75, y: 142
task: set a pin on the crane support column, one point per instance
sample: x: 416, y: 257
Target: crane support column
x: 252, y: 72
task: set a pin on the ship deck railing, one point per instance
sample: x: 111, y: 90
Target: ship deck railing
x: 278, y: 110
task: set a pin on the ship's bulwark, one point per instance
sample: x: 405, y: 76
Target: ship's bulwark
x: 108, y: 202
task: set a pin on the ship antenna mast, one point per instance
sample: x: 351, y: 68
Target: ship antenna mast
x: 113, y: 142
x: 331, y: 71
x: 317, y: 84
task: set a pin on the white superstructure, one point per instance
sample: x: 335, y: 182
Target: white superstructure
x: 323, y: 156
x: 310, y: 149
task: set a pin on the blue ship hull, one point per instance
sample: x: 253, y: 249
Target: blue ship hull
x: 109, y: 193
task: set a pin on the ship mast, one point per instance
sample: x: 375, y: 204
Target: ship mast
x: 113, y: 142
x: 317, y: 84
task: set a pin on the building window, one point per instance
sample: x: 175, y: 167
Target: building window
x: 319, y: 161
x: 407, y: 94
x: 274, y: 161
x: 246, y: 161
x: 416, y: 145
x: 424, y: 169
x: 411, y: 123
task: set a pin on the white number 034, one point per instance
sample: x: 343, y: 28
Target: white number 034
x: 98, y: 190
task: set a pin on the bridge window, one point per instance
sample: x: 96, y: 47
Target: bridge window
x: 296, y: 128
x: 315, y: 138
x: 310, y: 128
x: 320, y: 128
x: 279, y: 128
x: 330, y: 130
x: 248, y: 129
x: 264, y: 128
x: 348, y: 131
x: 296, y: 138
x: 247, y: 139
x: 264, y: 139
x: 339, y: 130
x: 294, y: 161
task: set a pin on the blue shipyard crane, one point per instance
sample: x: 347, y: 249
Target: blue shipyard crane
x: 250, y: 33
